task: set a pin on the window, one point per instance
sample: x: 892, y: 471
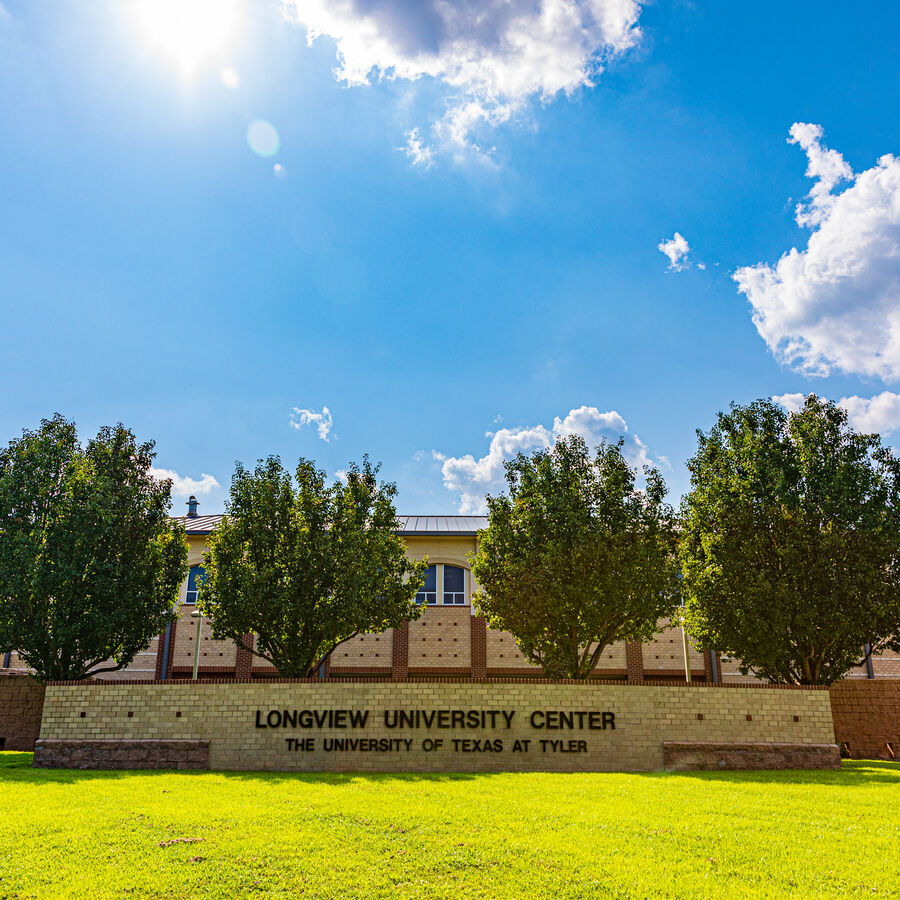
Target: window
x: 196, y: 577
x: 428, y: 592
x: 454, y: 586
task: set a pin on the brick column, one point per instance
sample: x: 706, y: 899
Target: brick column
x: 160, y: 649
x: 634, y: 662
x: 243, y: 664
x: 400, y: 653
x: 478, y: 649
x: 169, y: 661
x: 708, y: 666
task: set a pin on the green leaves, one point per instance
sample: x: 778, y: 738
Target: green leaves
x: 791, y: 542
x: 306, y: 566
x: 576, y: 557
x: 90, y: 565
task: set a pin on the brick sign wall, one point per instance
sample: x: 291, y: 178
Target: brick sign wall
x: 434, y: 726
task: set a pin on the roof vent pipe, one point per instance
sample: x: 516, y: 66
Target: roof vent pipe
x: 192, y: 507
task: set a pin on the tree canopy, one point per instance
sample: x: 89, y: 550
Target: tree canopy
x: 306, y: 566
x: 90, y: 564
x: 791, y: 542
x: 576, y: 557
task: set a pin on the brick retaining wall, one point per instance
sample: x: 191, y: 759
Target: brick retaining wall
x: 21, y: 705
x: 867, y: 718
x: 552, y: 726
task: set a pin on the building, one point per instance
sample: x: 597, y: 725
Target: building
x: 448, y: 640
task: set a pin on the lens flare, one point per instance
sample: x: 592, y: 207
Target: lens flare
x: 189, y: 31
x: 262, y: 138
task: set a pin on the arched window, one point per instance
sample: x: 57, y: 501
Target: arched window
x: 196, y: 577
x: 428, y: 592
x: 454, y: 586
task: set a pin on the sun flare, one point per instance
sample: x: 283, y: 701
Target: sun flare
x: 189, y: 31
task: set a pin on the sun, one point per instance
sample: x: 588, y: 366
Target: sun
x: 189, y: 31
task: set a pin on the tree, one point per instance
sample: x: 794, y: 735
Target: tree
x: 576, y: 557
x: 90, y: 564
x: 306, y: 566
x: 791, y: 542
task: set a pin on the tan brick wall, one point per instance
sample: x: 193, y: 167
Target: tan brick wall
x: 212, y: 653
x: 665, y: 653
x: 502, y: 652
x: 645, y: 717
x: 365, y: 651
x: 441, y: 639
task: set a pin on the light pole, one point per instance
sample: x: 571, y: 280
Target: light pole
x: 196, y: 614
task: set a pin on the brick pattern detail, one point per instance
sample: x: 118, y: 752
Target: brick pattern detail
x: 225, y: 714
x: 400, y: 653
x: 127, y: 754
x: 364, y: 652
x: 479, y: 647
x: 243, y: 664
x: 634, y: 662
x: 867, y: 717
x: 709, y: 756
x: 21, y: 707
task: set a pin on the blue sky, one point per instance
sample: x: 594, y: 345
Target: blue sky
x: 456, y: 253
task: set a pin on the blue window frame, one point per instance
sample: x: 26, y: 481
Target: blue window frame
x: 454, y: 586
x: 428, y: 592
x: 196, y: 577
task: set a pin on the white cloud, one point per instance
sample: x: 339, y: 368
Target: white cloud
x: 878, y: 414
x: 322, y: 420
x: 870, y: 415
x: 494, y: 55
x: 419, y: 153
x: 341, y: 475
x: 182, y: 486
x: 677, y: 250
x: 472, y: 478
x: 836, y: 304
x: 791, y: 402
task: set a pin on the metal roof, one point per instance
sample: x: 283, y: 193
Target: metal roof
x: 445, y: 526
x: 436, y: 526
x: 199, y: 524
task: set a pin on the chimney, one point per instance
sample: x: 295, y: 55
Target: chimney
x: 192, y: 507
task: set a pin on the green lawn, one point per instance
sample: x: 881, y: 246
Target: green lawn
x: 163, y: 834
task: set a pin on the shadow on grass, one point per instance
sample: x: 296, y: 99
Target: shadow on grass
x: 17, y: 767
x: 852, y: 773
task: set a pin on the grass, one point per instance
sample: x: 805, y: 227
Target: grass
x: 225, y: 835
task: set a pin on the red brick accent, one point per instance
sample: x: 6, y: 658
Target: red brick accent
x: 172, y: 633
x: 634, y: 661
x: 160, y: 649
x: 400, y: 653
x: 867, y: 717
x: 708, y: 666
x: 21, y: 707
x: 243, y: 664
x: 479, y: 647
x: 711, y: 756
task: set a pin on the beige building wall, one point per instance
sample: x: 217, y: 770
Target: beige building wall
x: 440, y: 641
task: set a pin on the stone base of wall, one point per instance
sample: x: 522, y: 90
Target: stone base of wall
x: 21, y: 707
x: 867, y: 718
x: 709, y: 756
x: 127, y: 754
